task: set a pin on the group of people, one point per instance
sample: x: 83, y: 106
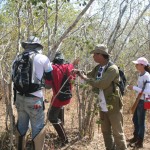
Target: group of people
x: 104, y: 82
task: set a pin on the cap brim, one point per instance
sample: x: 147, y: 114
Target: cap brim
x: 99, y: 51
x: 135, y: 62
x: 24, y: 44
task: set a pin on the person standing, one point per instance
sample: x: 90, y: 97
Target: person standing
x: 29, y: 104
x: 103, y: 78
x: 138, y: 119
x: 56, y: 110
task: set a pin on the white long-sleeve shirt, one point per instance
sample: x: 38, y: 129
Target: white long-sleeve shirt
x: 140, y: 82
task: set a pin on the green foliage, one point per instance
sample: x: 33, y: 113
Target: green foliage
x: 98, y: 122
x: 110, y: 107
x: 35, y: 2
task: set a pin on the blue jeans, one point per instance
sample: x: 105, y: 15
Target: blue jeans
x: 139, y: 120
x: 26, y: 111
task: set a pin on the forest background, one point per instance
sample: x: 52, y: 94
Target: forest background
x: 73, y: 27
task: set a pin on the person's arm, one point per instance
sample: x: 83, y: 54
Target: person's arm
x: 146, y: 91
x: 48, y: 84
x: 107, y: 78
x: 48, y: 80
x: 91, y: 73
x: 71, y: 67
x: 48, y: 74
x: 137, y: 89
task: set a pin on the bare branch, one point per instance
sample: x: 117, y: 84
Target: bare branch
x: 54, y: 48
x: 126, y: 21
x: 56, y: 17
x: 112, y: 38
x: 19, y: 27
x: 133, y: 27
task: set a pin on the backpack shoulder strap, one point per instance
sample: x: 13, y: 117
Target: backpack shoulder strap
x: 30, y: 52
x: 61, y: 72
x: 62, y: 79
x: 64, y: 73
x: 59, y: 68
x: 108, y: 65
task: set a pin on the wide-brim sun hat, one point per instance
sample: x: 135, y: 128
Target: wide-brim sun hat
x: 101, y: 49
x: 141, y: 60
x: 32, y: 40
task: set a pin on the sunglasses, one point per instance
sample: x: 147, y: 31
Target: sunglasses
x: 99, y: 72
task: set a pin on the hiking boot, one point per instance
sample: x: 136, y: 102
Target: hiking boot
x: 113, y: 148
x: 60, y: 131
x: 133, y: 140
x: 139, y: 143
x: 64, y: 143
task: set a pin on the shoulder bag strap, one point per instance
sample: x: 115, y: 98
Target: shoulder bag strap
x: 53, y: 78
x: 108, y: 65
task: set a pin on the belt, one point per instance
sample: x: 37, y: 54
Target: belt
x: 26, y: 95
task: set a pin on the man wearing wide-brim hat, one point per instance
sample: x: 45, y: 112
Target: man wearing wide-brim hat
x: 29, y: 101
x: 103, y: 78
x: 101, y: 49
x: 32, y: 42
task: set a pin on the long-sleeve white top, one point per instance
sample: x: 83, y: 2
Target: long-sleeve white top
x: 141, y: 79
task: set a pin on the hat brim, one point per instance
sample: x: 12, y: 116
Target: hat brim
x: 24, y: 44
x: 99, y: 51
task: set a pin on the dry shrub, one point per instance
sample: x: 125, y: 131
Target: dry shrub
x: 87, y: 111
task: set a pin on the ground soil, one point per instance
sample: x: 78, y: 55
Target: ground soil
x: 71, y: 126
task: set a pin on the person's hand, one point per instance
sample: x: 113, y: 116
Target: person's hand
x: 78, y: 72
x: 75, y: 71
x: 76, y: 61
x: 83, y: 76
x: 129, y: 87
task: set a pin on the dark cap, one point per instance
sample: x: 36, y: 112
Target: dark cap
x: 59, y: 55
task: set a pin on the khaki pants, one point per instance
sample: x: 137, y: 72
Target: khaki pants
x: 112, y: 129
